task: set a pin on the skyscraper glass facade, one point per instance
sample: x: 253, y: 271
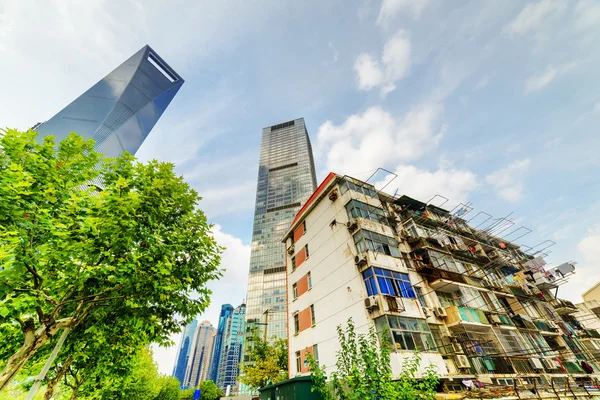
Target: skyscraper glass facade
x: 286, y: 179
x: 120, y: 111
x: 228, y: 367
x: 183, y: 354
x: 200, y: 355
x: 224, y: 316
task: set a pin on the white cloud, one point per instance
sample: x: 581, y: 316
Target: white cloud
x: 395, y: 65
x: 590, y: 249
x: 378, y: 139
x: 536, y: 15
x: 587, y: 14
x: 508, y: 182
x: 235, y: 260
x: 454, y: 184
x: 542, y: 79
x: 597, y: 107
x: 391, y: 8
x: 221, y: 200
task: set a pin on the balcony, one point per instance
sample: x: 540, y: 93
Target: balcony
x: 573, y: 367
x: 545, y: 326
x: 447, y: 281
x: 542, y: 280
x: 563, y: 307
x: 492, y: 365
x: 465, y: 315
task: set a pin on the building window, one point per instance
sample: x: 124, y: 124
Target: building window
x: 304, y: 227
x: 419, y: 294
x: 316, y: 353
x: 295, y: 290
x: 306, y: 250
x: 367, y: 240
x: 388, y: 282
x: 296, y: 324
x: 407, y: 333
x: 357, y: 209
x: 298, y: 362
x: 312, y: 314
x: 309, y: 278
x: 357, y: 186
x: 293, y: 263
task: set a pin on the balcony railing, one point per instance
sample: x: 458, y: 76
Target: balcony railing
x: 492, y: 365
x: 457, y: 314
x: 433, y: 274
x: 564, y: 306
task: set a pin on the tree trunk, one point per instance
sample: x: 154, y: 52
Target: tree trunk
x: 53, y: 382
x: 34, y: 339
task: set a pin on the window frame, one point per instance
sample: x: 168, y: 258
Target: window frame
x: 365, y: 240
x: 298, y: 362
x: 309, y: 280
x: 313, y: 321
x: 296, y: 323
x: 384, y: 281
x: 295, y: 290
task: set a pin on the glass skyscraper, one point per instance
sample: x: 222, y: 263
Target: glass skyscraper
x: 120, y: 111
x: 231, y: 352
x: 183, y: 354
x: 286, y: 179
x: 200, y: 355
x: 219, y: 342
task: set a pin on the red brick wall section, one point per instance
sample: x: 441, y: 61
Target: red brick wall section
x: 298, y: 233
x: 304, y: 367
x: 302, y: 285
x: 300, y: 257
x: 304, y: 320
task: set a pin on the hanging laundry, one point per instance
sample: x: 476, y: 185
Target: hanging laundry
x: 502, y: 245
x: 587, y: 368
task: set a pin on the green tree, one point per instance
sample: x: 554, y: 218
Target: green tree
x: 136, y: 244
x: 210, y: 391
x: 269, y: 362
x: 363, y: 371
x: 169, y: 388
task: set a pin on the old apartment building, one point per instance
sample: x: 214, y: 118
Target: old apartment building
x: 476, y: 306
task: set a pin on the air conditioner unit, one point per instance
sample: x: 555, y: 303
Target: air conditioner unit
x: 536, y: 363
x: 371, y: 303
x: 462, y: 361
x: 494, y: 319
x: 427, y: 311
x: 291, y: 249
x: 440, y: 312
x: 333, y: 195
x: 352, y: 225
x: 548, y: 364
x: 360, y: 260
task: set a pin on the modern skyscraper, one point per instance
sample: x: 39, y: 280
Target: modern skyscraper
x: 286, y: 179
x: 226, y: 312
x: 231, y: 353
x: 120, y: 111
x: 183, y: 353
x: 200, y: 355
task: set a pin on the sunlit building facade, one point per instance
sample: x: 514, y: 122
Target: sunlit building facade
x: 200, y: 355
x: 120, y: 110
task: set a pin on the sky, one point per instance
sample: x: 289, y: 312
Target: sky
x: 493, y: 103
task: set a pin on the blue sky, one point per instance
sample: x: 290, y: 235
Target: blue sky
x: 497, y: 103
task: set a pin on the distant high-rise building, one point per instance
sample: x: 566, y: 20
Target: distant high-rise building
x: 224, y: 316
x: 231, y: 352
x: 286, y: 179
x: 183, y: 353
x: 119, y: 111
x: 200, y: 355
